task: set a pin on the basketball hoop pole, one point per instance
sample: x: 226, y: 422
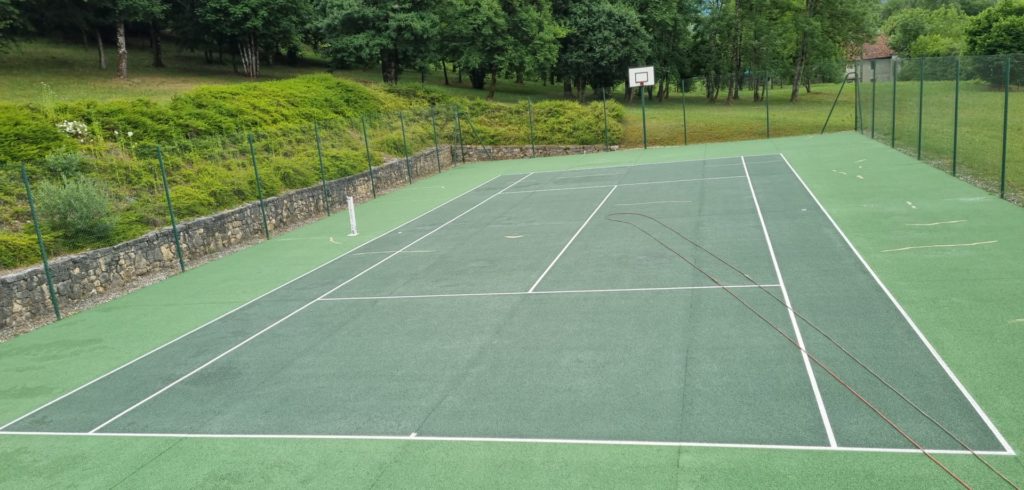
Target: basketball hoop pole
x: 643, y: 113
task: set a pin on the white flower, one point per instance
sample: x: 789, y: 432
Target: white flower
x: 130, y: 134
x: 116, y: 133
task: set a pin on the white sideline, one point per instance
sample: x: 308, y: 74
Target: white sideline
x: 566, y: 247
x: 603, y: 186
x: 561, y: 291
x: 792, y: 317
x: 303, y: 307
x: 247, y: 303
x: 593, y: 442
x: 631, y: 165
x: 945, y: 367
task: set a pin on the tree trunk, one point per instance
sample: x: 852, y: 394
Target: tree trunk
x: 158, y: 51
x: 122, y: 52
x: 389, y: 65
x: 444, y: 67
x: 520, y: 76
x: 99, y: 47
x: 478, y: 78
x: 249, y: 52
x: 757, y: 87
x: 566, y: 87
x: 494, y: 84
x: 807, y: 84
x: 801, y: 56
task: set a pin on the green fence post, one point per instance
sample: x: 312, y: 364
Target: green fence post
x: 369, y: 159
x: 604, y: 109
x: 170, y: 209
x: 437, y: 147
x: 39, y: 241
x: 685, y: 130
x: 259, y: 186
x: 767, y: 113
x: 857, y: 123
x: 1006, y: 121
x: 956, y: 113
x: 323, y: 173
x: 533, y: 140
x: 895, y: 67
x: 458, y: 135
x: 874, y: 95
x: 405, y: 148
x: 920, y: 106
x: 643, y: 114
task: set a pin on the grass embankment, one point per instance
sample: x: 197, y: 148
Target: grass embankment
x: 203, y: 133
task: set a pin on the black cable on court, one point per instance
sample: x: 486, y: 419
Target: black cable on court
x: 833, y: 374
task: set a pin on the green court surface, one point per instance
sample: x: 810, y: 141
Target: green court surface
x: 785, y: 313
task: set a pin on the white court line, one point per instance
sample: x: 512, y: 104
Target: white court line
x: 792, y: 317
x: 651, y: 202
x: 247, y: 303
x: 592, y: 442
x: 938, y: 223
x: 303, y: 307
x: 580, y: 230
x: 951, y: 245
x: 631, y: 165
x: 604, y: 186
x: 945, y: 367
x: 560, y: 291
x: 393, y: 251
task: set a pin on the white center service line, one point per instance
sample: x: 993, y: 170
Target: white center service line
x: 303, y: 307
x: 792, y: 316
x: 566, y: 247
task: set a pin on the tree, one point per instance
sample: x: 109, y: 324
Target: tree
x: 997, y: 30
x: 535, y: 37
x: 10, y: 20
x: 669, y: 24
x: 936, y: 32
x: 396, y: 35
x: 824, y: 27
x: 255, y: 27
x: 604, y: 39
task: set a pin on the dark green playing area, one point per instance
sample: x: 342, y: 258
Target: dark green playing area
x: 654, y: 304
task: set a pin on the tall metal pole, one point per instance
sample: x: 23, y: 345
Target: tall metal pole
x: 323, y: 173
x: 920, y: 106
x: 533, y: 141
x: 767, y: 113
x: 685, y: 129
x: 834, y: 102
x: 437, y: 147
x: 369, y: 159
x: 643, y: 114
x: 858, y: 124
x: 170, y: 209
x: 458, y: 135
x: 895, y: 67
x: 956, y: 114
x: 604, y: 107
x: 874, y: 96
x: 405, y: 148
x: 259, y: 186
x: 42, y: 246
x: 1006, y: 120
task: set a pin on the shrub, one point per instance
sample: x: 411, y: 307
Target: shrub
x: 26, y: 136
x: 17, y: 250
x: 78, y: 209
x: 64, y: 164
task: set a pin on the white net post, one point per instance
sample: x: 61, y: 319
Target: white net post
x: 351, y: 205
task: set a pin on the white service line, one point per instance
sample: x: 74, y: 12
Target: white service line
x: 393, y: 251
x: 950, y: 245
x: 303, y: 307
x: 945, y: 367
x: 792, y: 316
x: 604, y: 186
x: 580, y: 230
x: 593, y: 442
x: 243, y: 305
x: 561, y: 291
x: 632, y: 165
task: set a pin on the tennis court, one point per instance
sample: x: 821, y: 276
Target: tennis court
x: 707, y: 302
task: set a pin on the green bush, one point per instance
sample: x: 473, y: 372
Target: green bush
x: 78, y: 209
x: 64, y: 164
x: 17, y: 250
x: 26, y: 136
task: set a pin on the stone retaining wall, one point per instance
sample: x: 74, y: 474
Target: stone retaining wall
x: 92, y: 277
